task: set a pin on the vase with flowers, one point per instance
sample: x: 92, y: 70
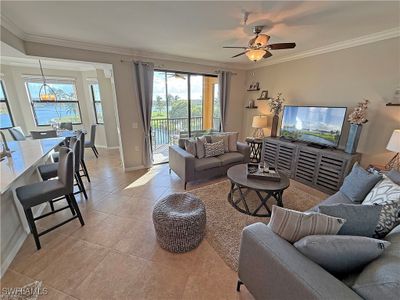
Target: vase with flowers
x: 357, y: 118
x: 276, y: 107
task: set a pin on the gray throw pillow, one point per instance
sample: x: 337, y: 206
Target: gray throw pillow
x: 200, y: 141
x: 394, y: 176
x: 361, y: 220
x: 359, y: 183
x: 190, y: 146
x: 341, y: 254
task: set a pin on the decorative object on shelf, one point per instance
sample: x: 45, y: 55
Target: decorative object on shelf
x: 357, y: 118
x: 396, y: 98
x: 46, y: 93
x: 276, y: 107
x: 394, y: 146
x: 254, y: 86
x: 251, y: 104
x: 259, y: 122
x: 264, y: 95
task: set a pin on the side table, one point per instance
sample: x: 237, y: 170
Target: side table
x: 255, y: 148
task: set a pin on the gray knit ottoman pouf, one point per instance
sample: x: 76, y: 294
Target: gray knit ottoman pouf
x: 179, y: 221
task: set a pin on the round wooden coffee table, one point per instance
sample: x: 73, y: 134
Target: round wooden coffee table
x: 241, y: 185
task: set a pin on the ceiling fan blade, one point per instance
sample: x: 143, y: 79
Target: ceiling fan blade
x: 234, y: 47
x: 239, y: 54
x: 279, y: 46
x: 267, y: 54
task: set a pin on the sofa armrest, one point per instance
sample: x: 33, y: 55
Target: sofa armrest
x: 181, y: 162
x: 272, y: 268
x: 245, y: 150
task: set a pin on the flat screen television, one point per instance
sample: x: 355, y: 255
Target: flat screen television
x: 313, y: 124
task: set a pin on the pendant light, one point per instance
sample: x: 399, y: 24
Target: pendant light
x: 46, y: 93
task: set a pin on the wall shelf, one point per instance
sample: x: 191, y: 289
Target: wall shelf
x: 254, y: 107
x: 393, y: 104
x: 253, y: 90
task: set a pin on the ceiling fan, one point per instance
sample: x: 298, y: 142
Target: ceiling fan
x: 258, y: 47
x: 176, y: 76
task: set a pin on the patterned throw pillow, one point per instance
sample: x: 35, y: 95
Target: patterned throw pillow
x: 214, y: 149
x: 387, y: 194
x: 293, y: 225
x: 221, y: 137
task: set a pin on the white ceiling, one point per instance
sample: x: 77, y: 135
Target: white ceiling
x: 200, y: 29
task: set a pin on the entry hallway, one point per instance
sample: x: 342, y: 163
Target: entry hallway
x: 116, y: 255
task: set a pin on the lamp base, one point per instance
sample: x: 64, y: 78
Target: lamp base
x: 258, y: 133
x: 394, y: 163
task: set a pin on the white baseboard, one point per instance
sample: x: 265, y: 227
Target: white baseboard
x: 6, y: 263
x: 105, y: 147
x: 141, y: 167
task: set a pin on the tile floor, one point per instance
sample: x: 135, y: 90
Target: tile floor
x: 115, y: 255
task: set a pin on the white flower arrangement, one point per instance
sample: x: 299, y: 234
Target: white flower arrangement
x: 359, y: 114
x: 276, y: 104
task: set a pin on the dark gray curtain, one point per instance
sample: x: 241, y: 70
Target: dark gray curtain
x: 224, y: 83
x: 143, y: 73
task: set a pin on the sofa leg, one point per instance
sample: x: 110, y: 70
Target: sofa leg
x: 239, y: 283
x: 170, y: 170
x: 185, y: 185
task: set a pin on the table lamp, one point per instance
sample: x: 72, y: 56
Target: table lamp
x: 394, y: 146
x: 259, y: 122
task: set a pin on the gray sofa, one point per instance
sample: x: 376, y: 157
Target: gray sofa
x: 189, y: 167
x: 272, y: 268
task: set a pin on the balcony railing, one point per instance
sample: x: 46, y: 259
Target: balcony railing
x: 167, y: 131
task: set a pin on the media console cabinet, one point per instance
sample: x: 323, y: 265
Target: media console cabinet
x: 323, y: 169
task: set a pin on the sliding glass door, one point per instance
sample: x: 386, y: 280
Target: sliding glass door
x: 184, y: 105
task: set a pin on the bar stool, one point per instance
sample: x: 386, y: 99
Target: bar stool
x: 90, y: 143
x: 49, y: 171
x: 81, y: 137
x: 41, y: 192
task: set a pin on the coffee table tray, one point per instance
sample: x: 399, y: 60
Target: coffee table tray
x: 253, y: 171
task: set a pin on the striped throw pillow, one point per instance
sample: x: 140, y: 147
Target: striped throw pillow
x: 293, y: 225
x: 214, y: 149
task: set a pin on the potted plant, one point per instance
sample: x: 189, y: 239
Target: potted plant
x: 276, y: 107
x: 357, y: 118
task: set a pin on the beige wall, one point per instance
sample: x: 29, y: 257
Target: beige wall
x: 340, y: 78
x: 128, y: 119
x: 13, y: 77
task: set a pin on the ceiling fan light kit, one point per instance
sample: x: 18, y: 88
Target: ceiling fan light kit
x: 258, y: 46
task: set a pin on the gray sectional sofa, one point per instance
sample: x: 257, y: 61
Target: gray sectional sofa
x: 272, y: 268
x: 189, y: 167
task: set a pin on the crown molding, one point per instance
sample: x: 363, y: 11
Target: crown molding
x: 12, y: 27
x: 362, y: 40
x: 142, y: 54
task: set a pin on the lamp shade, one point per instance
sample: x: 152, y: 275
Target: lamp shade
x: 255, y: 54
x: 394, y: 142
x: 260, y: 122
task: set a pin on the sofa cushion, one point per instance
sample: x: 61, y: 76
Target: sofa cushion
x: 381, y: 278
x: 200, y: 150
x: 221, y: 137
x: 337, y: 198
x: 190, y: 146
x: 341, y: 254
x: 359, y: 183
x: 230, y: 158
x: 361, y: 220
x: 206, y: 163
x: 293, y: 225
x: 233, y: 138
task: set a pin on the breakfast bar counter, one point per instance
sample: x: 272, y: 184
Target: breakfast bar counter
x: 17, y: 170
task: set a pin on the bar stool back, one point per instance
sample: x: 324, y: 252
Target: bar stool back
x: 41, y: 192
x: 81, y: 137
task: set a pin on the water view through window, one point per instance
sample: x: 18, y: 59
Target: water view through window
x: 5, y: 114
x: 64, y: 109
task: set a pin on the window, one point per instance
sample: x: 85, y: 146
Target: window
x: 64, y: 109
x: 98, y: 110
x: 6, y: 120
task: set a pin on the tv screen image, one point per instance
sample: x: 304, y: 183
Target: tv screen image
x: 313, y: 124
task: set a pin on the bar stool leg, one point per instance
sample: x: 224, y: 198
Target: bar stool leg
x: 78, y: 212
x: 80, y: 184
x: 71, y: 207
x: 85, y: 170
x: 51, y: 205
x: 32, y: 226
